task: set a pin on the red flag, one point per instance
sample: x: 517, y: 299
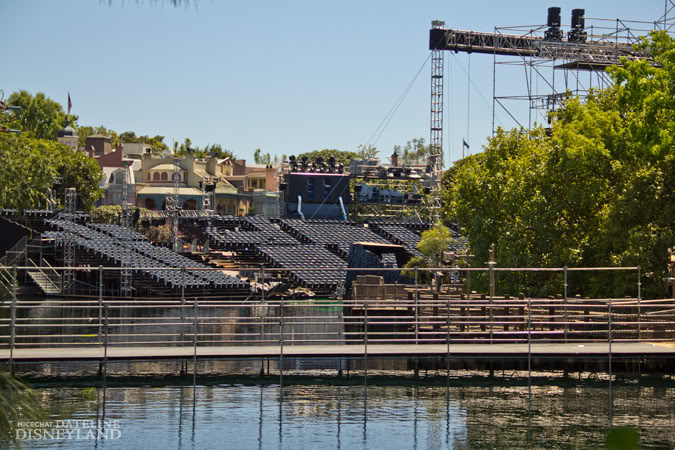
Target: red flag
x: 70, y: 104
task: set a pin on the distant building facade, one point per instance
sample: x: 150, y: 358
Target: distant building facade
x: 239, y: 189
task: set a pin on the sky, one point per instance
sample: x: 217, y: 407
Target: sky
x: 283, y: 76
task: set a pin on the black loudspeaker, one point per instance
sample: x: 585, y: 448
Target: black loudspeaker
x: 553, y: 20
x: 578, y: 20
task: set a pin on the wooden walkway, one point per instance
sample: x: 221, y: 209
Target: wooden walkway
x: 623, y: 350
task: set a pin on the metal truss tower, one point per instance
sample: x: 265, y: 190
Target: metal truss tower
x: 127, y: 223
x: 172, y: 204
x: 435, y: 161
x: 69, y: 244
x: 556, y: 63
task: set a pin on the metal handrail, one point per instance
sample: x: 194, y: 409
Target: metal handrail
x: 54, y: 285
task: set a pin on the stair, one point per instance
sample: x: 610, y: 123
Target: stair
x: 44, y: 283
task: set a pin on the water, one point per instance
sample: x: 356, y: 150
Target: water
x: 347, y: 417
x: 480, y: 413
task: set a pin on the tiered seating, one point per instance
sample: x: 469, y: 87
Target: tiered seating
x: 335, y: 235
x: 165, y: 256
x: 310, y: 256
x: 112, y: 243
x: 251, y: 232
x: 118, y: 232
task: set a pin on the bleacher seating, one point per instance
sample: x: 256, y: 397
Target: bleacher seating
x: 332, y: 268
x: 115, y: 245
x: 335, y: 235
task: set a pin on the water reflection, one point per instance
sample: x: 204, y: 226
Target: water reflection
x: 319, y: 416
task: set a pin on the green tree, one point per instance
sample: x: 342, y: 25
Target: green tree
x: 83, y: 132
x: 341, y: 156
x: 600, y: 191
x: 30, y: 167
x: 367, y: 151
x: 218, y: 151
x: 432, y: 245
x: 156, y: 143
x: 414, y: 151
x: 40, y: 116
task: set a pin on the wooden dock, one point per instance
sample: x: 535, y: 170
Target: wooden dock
x: 574, y: 351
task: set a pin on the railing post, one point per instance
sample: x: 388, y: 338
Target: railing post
x: 194, y: 343
x: 100, y: 303
x: 639, y: 302
x: 491, y: 265
x: 447, y: 325
x: 281, y: 341
x: 182, y: 306
x: 262, y: 317
x: 417, y: 304
x: 529, y: 341
x: 609, y: 337
x: 365, y: 336
x: 105, y: 343
x: 12, y: 324
x: 565, y: 302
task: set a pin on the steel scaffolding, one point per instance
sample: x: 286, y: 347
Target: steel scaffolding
x: 126, y: 284
x: 435, y: 161
x: 69, y: 244
x: 172, y: 204
x: 556, y: 64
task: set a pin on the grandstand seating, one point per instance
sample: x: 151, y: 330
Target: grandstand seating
x: 335, y: 235
x: 114, y: 244
x: 331, y: 267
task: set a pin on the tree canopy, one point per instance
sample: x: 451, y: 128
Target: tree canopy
x: 599, y: 191
x: 39, y: 117
x: 29, y: 168
x: 341, y: 156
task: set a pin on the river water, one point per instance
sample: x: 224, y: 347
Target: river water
x: 347, y: 417
x: 319, y: 412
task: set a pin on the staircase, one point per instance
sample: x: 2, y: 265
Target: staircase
x: 14, y: 256
x: 46, y: 278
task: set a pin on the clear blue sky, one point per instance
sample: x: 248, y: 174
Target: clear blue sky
x: 284, y: 76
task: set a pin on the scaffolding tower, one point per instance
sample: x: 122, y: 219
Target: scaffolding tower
x: 435, y: 160
x: 172, y: 205
x: 70, y: 203
x: 126, y: 282
x: 556, y: 63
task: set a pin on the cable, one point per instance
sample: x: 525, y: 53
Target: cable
x: 326, y: 197
x: 476, y: 88
x: 397, y: 104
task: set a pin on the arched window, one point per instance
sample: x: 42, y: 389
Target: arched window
x: 155, y: 177
x: 112, y: 178
x: 165, y: 177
